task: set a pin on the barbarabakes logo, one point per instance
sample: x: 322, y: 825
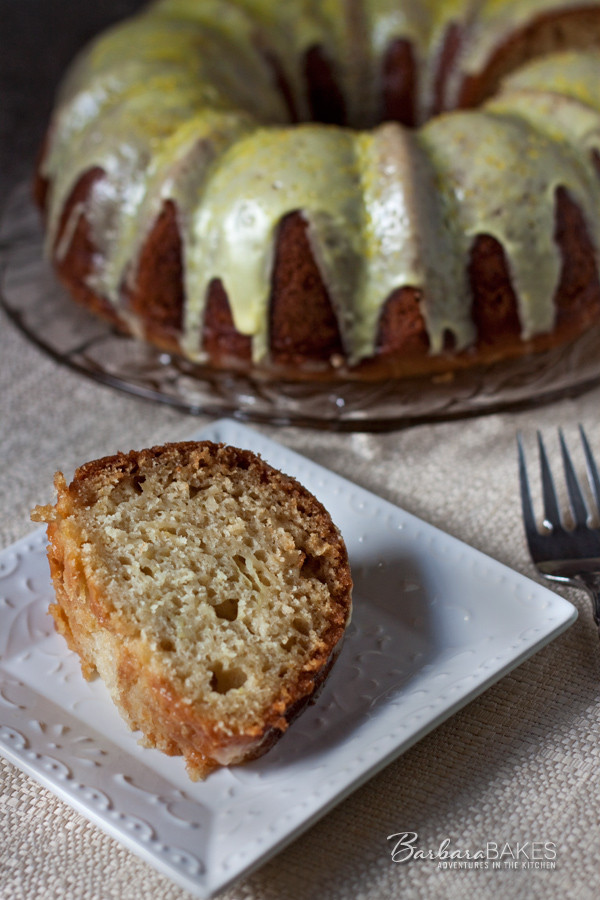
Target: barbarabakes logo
x: 491, y: 855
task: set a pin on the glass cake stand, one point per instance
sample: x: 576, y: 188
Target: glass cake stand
x: 44, y: 312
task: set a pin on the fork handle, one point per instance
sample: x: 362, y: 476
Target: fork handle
x: 590, y: 581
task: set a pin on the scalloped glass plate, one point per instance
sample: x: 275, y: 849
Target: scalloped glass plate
x: 435, y: 623
x: 42, y: 309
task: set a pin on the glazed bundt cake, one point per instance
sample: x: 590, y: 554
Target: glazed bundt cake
x: 354, y: 189
x: 210, y: 591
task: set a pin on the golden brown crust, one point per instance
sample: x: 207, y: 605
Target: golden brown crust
x: 220, y: 338
x: 450, y: 49
x: 150, y: 697
x: 325, y: 97
x: 578, y: 293
x: 547, y: 33
x: 402, y: 329
x: 74, y: 266
x: 303, y: 325
x: 157, y: 294
x: 399, y: 84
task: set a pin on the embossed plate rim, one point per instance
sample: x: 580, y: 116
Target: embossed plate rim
x: 144, y: 800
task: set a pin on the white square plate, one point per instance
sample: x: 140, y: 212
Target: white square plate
x: 435, y: 623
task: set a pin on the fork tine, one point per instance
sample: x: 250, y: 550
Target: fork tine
x: 578, y: 504
x: 592, y: 469
x: 528, y: 515
x: 551, y: 507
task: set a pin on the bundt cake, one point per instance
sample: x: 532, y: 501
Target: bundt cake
x: 210, y: 591
x: 356, y: 189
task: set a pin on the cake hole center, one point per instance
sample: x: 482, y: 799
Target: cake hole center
x: 224, y: 680
x: 312, y: 567
x: 300, y: 626
x: 228, y: 609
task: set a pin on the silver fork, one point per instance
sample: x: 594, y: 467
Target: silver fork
x: 569, y: 555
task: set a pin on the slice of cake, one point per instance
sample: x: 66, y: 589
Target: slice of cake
x: 209, y: 591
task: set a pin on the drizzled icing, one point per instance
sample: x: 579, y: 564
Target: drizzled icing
x: 180, y: 104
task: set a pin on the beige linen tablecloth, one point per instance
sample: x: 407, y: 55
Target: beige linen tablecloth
x: 518, y: 764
